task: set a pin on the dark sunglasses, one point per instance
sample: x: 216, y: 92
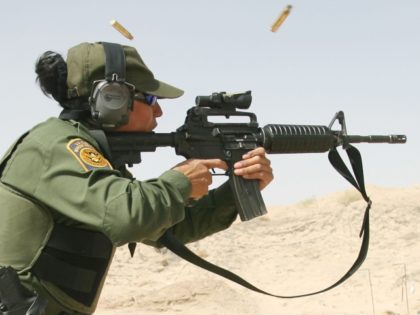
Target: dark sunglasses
x: 146, y: 98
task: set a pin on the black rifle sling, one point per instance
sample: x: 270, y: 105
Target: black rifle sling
x: 174, y: 245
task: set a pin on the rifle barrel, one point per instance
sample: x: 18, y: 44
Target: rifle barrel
x: 375, y: 139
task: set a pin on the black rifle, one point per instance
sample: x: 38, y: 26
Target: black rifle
x: 15, y: 299
x: 202, y: 139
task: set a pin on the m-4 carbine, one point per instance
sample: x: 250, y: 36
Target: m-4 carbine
x: 200, y: 138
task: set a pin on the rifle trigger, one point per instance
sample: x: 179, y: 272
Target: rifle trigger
x: 213, y: 173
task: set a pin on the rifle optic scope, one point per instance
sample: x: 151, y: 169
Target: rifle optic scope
x: 222, y: 100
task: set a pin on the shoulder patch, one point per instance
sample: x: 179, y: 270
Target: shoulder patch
x: 87, y: 155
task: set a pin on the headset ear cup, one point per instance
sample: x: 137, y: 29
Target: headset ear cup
x: 111, y: 99
x: 110, y: 103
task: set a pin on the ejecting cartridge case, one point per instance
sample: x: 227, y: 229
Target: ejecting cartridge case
x: 121, y: 29
x: 281, y: 18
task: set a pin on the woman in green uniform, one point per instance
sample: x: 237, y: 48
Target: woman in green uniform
x: 65, y: 205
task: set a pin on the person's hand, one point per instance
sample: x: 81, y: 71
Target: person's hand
x: 255, y: 165
x: 199, y: 175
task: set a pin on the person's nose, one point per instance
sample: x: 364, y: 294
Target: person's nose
x: 157, y: 110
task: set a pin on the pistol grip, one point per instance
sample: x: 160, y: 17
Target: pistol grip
x: 248, y: 198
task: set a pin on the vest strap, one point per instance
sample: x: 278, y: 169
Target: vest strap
x: 58, y: 272
x: 75, y: 260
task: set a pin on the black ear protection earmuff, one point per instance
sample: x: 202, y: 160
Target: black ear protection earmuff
x: 111, y: 99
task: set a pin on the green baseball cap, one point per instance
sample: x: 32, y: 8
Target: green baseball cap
x: 86, y: 63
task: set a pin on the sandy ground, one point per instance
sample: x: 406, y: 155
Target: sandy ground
x: 294, y: 249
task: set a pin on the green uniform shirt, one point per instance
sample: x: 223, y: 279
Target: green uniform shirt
x: 59, y: 164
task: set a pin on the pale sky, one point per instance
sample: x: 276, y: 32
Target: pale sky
x: 362, y: 57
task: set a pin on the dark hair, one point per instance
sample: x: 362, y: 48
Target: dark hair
x: 51, y: 70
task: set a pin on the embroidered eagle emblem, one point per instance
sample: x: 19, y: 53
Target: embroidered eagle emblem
x: 88, y: 157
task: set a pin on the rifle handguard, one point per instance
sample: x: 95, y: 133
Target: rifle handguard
x: 297, y: 138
